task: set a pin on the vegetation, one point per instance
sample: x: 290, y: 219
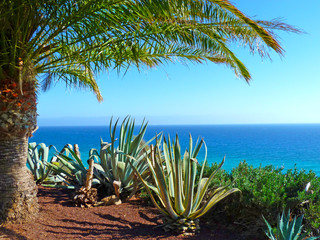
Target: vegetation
x: 37, y: 162
x: 267, y: 191
x: 286, y: 229
x: 168, y: 178
x: 70, y: 168
x: 112, y: 168
x: 112, y: 172
x: 73, y: 40
x: 175, y: 186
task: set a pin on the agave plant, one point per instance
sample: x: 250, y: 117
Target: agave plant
x: 286, y: 229
x: 70, y: 168
x: 180, y: 196
x: 113, y: 168
x: 37, y: 162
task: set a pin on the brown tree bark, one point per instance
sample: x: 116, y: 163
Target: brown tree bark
x: 18, y: 191
x: 18, y: 120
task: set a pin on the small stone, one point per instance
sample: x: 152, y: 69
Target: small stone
x: 111, y: 200
x: 117, y: 202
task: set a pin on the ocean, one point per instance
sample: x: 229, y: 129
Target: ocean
x: 282, y: 145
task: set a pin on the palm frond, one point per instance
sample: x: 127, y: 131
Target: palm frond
x: 74, y: 40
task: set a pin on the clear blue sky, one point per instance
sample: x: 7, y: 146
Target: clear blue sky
x: 285, y: 90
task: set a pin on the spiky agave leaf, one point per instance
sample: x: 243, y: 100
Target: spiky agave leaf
x: 71, y: 168
x: 113, y: 160
x: 37, y: 161
x: 174, y: 180
x: 286, y: 229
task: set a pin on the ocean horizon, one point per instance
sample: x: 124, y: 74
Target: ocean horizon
x: 280, y: 145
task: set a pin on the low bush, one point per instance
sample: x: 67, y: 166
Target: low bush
x: 267, y: 191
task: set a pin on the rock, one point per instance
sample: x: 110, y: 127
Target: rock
x: 117, y: 202
x: 110, y: 200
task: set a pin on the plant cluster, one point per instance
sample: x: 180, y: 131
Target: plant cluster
x: 268, y: 191
x: 40, y: 164
x: 127, y: 163
x: 287, y: 229
x: 177, y: 185
x: 181, y: 196
x: 112, y: 168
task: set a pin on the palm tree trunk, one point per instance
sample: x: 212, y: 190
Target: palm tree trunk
x: 18, y: 191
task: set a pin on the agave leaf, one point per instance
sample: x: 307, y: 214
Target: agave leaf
x: 289, y: 230
x: 148, y: 188
x: 37, y: 158
x: 223, y: 193
x: 102, y: 177
x: 136, y: 143
x: 190, y: 189
x: 78, y: 160
x: 129, y: 135
x: 43, y: 152
x: 104, y: 159
x: 186, y: 176
x: 121, y: 169
x: 141, y: 167
x: 67, y: 162
x: 269, y: 233
x: 106, y: 174
x: 60, y: 171
x: 164, y: 191
x: 281, y: 225
x: 123, y: 131
x: 95, y: 181
x: 178, y: 180
x: 190, y: 145
x: 80, y: 177
x: 200, y: 187
x: 153, y: 172
x: 66, y: 150
x: 199, y: 197
x: 169, y: 167
x: 114, y: 165
x: 297, y: 228
x: 197, y: 149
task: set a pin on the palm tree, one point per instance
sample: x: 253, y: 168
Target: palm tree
x: 43, y: 41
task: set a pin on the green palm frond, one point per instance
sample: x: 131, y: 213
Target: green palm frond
x: 73, y: 40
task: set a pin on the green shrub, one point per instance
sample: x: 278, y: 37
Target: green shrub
x: 268, y: 190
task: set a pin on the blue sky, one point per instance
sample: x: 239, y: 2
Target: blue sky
x: 284, y: 90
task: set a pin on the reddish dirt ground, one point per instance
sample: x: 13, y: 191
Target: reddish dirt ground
x: 58, y: 219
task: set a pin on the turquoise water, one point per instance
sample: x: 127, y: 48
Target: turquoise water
x: 279, y: 145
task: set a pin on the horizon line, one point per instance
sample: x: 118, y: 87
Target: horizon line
x: 187, y: 124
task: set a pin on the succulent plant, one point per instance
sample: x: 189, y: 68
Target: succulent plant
x: 37, y: 162
x: 71, y: 168
x: 113, y: 168
x: 286, y: 229
x: 174, y: 185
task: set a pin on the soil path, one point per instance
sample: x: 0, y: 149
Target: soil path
x: 58, y: 219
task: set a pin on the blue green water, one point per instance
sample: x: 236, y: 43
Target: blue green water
x: 279, y: 145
